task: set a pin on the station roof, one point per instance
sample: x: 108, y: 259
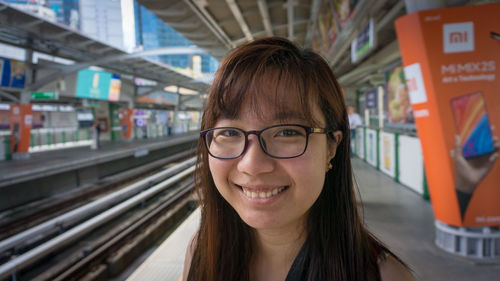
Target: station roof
x: 218, y: 26
x: 28, y: 31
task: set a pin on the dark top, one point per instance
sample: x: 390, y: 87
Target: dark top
x: 300, y: 266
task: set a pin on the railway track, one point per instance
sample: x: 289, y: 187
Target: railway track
x: 18, y: 219
x: 104, y: 235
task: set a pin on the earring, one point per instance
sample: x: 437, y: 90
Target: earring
x: 329, y: 166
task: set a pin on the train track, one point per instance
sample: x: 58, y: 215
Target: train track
x: 104, y: 235
x: 18, y: 219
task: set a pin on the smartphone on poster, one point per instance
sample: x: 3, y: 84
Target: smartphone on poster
x: 473, y: 124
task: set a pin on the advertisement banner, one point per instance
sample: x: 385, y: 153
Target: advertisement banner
x: 387, y: 154
x: 114, y: 88
x: 451, y: 62
x: 398, y: 105
x: 12, y: 73
x: 326, y: 29
x: 344, y: 10
x: 127, y: 124
x: 21, y: 119
x: 99, y: 85
x: 158, y: 97
x: 371, y: 147
x: 360, y: 142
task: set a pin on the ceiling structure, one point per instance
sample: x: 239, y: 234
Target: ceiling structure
x: 220, y: 25
x: 30, y: 32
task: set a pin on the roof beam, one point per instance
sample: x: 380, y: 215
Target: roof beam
x: 31, y: 24
x: 239, y: 18
x: 312, y: 22
x: 9, y: 96
x: 266, y: 20
x: 290, y: 5
x: 208, y: 20
x: 60, y: 35
x: 101, y: 61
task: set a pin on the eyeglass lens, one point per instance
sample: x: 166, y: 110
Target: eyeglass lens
x: 279, y: 141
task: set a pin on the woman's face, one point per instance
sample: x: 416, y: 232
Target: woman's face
x: 291, y: 185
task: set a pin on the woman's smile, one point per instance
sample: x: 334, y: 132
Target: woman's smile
x: 262, y: 194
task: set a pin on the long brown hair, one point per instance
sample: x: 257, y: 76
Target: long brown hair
x: 275, y: 70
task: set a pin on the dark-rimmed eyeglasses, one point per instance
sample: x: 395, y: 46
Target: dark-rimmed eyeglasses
x: 278, y: 141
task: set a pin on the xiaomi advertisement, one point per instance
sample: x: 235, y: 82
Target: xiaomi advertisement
x: 451, y: 63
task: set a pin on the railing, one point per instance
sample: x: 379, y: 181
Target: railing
x: 55, y: 138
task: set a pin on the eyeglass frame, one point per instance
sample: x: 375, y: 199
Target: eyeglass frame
x: 309, y: 130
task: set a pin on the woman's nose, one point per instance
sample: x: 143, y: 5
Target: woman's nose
x: 254, y: 160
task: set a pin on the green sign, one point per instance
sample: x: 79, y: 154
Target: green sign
x: 44, y: 96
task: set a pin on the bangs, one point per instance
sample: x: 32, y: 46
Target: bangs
x: 269, y: 80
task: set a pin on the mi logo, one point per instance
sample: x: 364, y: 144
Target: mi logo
x: 458, y: 37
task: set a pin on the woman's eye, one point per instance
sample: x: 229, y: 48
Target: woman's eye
x: 288, y: 133
x: 229, y: 133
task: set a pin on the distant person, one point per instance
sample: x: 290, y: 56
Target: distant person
x: 96, y: 131
x: 354, y: 122
x: 274, y: 176
x: 169, y: 125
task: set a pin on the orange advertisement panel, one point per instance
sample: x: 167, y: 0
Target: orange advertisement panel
x: 21, y: 119
x: 451, y: 61
x: 126, y: 122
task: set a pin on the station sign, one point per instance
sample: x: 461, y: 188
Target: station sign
x: 371, y: 98
x: 44, y: 96
x: 363, y: 43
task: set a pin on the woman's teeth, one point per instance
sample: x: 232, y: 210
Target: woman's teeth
x: 263, y: 194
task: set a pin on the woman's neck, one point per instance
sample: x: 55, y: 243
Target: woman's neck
x: 275, y: 251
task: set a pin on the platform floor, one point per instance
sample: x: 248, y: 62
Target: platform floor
x: 394, y: 213
x: 42, y: 164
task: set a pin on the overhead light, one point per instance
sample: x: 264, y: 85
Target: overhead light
x: 171, y: 88
x: 184, y: 91
x: 180, y: 90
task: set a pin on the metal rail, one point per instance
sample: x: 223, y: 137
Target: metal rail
x: 59, y: 222
x: 102, y: 251
x: 78, y: 231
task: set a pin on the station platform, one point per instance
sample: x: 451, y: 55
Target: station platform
x: 398, y: 216
x: 42, y: 164
x: 54, y: 172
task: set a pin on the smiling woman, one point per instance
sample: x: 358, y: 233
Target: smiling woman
x: 274, y: 176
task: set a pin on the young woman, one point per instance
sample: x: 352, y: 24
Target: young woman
x: 274, y: 176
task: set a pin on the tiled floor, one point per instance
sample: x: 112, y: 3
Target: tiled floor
x: 405, y: 222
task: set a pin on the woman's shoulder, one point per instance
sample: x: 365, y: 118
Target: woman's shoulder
x: 189, y: 256
x: 392, y: 269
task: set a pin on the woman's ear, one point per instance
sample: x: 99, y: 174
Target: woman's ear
x: 333, y: 143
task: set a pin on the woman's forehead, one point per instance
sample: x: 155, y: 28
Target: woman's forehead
x: 267, y: 111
